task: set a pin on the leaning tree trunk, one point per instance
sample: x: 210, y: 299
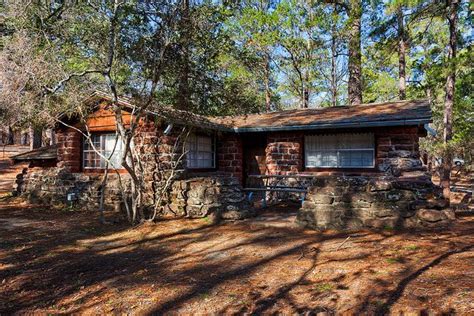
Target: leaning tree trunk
x: 401, y: 55
x: 355, y: 55
x: 449, y: 99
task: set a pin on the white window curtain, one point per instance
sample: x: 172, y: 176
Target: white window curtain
x: 200, y: 152
x: 340, y: 151
x: 108, y: 145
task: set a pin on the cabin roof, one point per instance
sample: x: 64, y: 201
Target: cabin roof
x: 43, y: 153
x: 396, y: 113
x: 414, y: 112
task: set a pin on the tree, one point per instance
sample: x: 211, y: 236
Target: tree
x: 333, y: 69
x: 256, y: 30
x: 402, y: 47
x: 355, y: 55
x: 452, y: 17
x: 301, y: 44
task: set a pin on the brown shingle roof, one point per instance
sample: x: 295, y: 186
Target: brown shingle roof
x: 396, y: 113
x: 377, y: 114
x: 43, y: 153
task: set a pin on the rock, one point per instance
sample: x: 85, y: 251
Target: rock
x: 383, y: 223
x: 431, y: 215
x: 385, y: 213
x: 353, y: 223
x: 450, y: 214
x: 438, y: 204
x: 320, y: 198
x: 235, y: 214
x: 401, y: 154
x: 380, y: 184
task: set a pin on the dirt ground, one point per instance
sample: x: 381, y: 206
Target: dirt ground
x: 63, y: 261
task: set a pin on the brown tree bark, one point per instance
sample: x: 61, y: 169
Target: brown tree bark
x: 268, y: 98
x: 333, y: 66
x: 184, y: 94
x: 401, y: 54
x: 449, y: 98
x: 355, y: 55
x: 306, y: 92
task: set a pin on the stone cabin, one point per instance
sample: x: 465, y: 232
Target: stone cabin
x: 359, y: 166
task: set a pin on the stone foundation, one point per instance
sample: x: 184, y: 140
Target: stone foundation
x: 219, y: 196
x: 383, y: 202
x: 54, y: 185
x: 216, y: 196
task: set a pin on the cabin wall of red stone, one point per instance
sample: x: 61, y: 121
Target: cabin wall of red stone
x: 230, y: 155
x: 284, y: 152
x: 396, y: 151
x: 69, y: 149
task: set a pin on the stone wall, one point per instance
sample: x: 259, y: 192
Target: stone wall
x: 397, y: 151
x: 284, y: 153
x: 219, y: 196
x: 383, y: 202
x: 229, y: 155
x: 69, y: 142
x: 53, y: 185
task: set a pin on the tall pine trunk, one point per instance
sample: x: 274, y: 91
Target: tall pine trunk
x: 355, y: 55
x: 333, y: 65
x: 401, y: 54
x: 268, y: 95
x: 449, y: 99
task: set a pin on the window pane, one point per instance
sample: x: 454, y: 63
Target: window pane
x: 200, y: 152
x: 340, y: 150
x: 104, y: 144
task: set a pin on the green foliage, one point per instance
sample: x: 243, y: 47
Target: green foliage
x: 226, y: 58
x: 324, y: 287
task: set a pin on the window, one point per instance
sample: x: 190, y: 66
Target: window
x: 200, y: 152
x: 105, y: 144
x: 340, y: 151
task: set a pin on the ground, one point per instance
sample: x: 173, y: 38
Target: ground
x: 64, y: 261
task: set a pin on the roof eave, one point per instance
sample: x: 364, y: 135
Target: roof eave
x: 405, y: 122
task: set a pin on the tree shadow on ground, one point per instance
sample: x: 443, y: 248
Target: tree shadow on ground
x: 395, y: 295
x: 77, y: 264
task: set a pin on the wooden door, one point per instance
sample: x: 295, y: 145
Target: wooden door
x: 254, y: 156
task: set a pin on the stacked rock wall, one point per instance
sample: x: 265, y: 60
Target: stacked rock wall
x: 219, y: 196
x: 383, y: 202
x: 398, y: 152
x: 284, y: 153
x: 229, y: 155
x: 54, y: 185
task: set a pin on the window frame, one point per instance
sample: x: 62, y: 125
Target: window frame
x: 213, y: 153
x: 84, y: 151
x: 338, y: 166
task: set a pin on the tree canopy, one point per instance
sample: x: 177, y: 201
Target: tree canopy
x: 231, y: 57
